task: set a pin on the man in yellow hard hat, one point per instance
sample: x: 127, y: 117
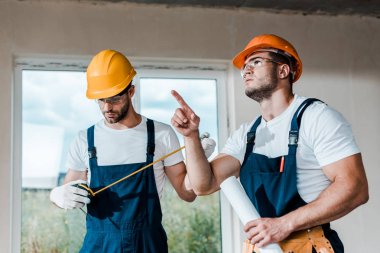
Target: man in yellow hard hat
x: 127, y: 216
x: 298, y: 162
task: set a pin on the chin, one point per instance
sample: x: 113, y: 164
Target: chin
x: 111, y: 121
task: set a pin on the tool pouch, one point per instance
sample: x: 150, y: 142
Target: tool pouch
x: 299, y: 242
x: 248, y: 247
x: 305, y: 240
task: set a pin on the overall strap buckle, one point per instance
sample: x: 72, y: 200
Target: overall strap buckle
x: 92, y: 153
x: 251, y: 137
x: 293, y: 138
x: 150, y: 149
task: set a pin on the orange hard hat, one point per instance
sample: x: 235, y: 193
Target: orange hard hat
x: 108, y: 74
x: 270, y: 43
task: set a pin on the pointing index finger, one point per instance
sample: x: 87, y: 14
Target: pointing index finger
x: 180, y: 100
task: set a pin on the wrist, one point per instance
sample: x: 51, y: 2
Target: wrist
x: 288, y: 224
x: 193, y: 135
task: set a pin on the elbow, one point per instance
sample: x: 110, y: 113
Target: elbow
x: 362, y: 197
x: 198, y: 192
x: 365, y: 200
x: 203, y: 187
x: 189, y: 197
x: 202, y: 191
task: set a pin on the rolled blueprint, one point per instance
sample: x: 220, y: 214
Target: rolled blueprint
x: 244, y: 208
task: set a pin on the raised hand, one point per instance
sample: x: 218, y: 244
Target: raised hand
x: 184, y: 120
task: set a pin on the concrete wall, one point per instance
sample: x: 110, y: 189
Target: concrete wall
x: 341, y: 66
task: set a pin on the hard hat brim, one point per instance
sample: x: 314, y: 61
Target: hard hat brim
x: 239, y: 60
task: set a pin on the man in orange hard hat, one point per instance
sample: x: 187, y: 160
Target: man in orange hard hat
x: 127, y: 216
x: 298, y: 162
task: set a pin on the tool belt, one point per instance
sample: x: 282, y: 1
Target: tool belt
x: 299, y: 242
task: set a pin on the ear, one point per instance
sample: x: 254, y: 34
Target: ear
x: 284, y: 71
x: 131, y: 91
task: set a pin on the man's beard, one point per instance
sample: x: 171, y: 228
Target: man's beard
x: 122, y: 114
x: 265, y: 90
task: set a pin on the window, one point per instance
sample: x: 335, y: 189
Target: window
x: 198, y: 222
x: 203, y: 89
x: 50, y: 108
x: 54, y: 109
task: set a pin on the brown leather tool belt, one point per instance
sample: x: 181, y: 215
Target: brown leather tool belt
x: 302, y: 241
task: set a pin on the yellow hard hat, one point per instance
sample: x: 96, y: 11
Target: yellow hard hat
x: 108, y: 74
x: 271, y: 43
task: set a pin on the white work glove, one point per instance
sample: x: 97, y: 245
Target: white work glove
x: 208, y: 146
x: 68, y: 196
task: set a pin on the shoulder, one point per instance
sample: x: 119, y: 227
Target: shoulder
x: 163, y: 132
x: 320, y: 119
x: 81, y: 136
x: 321, y: 113
x: 236, y: 143
x: 166, y: 141
x: 161, y: 128
x: 316, y: 110
x: 322, y: 123
x: 245, y: 127
x: 239, y: 136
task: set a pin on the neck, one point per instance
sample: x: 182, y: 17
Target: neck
x: 130, y: 121
x: 276, y: 104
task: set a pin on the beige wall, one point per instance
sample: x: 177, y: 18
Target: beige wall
x: 341, y: 66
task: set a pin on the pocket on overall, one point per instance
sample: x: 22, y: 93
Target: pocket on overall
x: 269, y: 199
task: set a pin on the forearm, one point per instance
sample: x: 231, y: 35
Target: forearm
x: 336, y: 201
x: 204, y: 178
x: 198, y: 167
x: 73, y: 175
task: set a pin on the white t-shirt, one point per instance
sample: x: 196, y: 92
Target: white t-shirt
x: 325, y: 137
x: 114, y: 147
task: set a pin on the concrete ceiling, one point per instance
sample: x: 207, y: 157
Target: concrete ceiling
x: 306, y: 7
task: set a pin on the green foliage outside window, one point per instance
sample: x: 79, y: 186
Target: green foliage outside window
x: 191, y: 227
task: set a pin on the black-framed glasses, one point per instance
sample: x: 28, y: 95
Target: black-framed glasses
x: 256, y: 62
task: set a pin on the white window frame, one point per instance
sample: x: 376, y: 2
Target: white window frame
x: 60, y: 63
x: 146, y: 68
x: 200, y: 69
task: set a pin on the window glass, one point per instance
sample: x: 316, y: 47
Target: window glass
x: 191, y: 227
x: 54, y: 109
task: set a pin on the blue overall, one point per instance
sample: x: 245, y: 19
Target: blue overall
x: 272, y: 192
x: 125, y: 218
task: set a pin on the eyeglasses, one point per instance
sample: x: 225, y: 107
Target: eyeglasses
x: 112, y: 100
x: 255, y: 63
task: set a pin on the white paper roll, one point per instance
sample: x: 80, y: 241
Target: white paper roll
x: 244, y: 208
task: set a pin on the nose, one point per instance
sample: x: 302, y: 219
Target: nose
x: 247, y: 71
x: 107, y: 106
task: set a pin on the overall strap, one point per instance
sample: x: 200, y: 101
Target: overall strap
x: 91, y: 148
x: 151, y: 144
x: 251, y: 135
x: 296, y: 124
